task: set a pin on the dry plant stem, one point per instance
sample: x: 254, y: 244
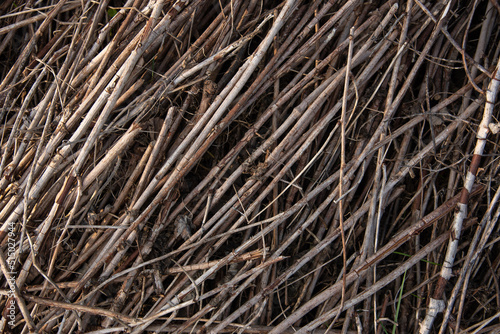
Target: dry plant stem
x: 36, y: 114
x: 481, y: 42
x: 55, y: 86
x: 424, y: 251
x: 486, y: 31
x: 264, y: 194
x: 162, y: 86
x: 225, y: 286
x: 115, y: 91
x: 397, y: 65
x: 230, y: 299
x: 483, y: 233
x: 109, y: 159
x: 43, y: 229
x: 136, y: 223
x: 211, y: 305
x: 415, y: 160
x: 249, y: 242
x: 30, y: 20
x: 439, y: 139
x: 16, y: 69
x: 316, y: 101
x: 303, y: 260
x: 106, y: 162
x: 187, y: 268
x: 258, y: 168
x: 269, y: 112
x: 289, y: 163
x: 370, y: 237
x: 342, y: 166
x: 450, y: 38
x: 209, y: 91
x: 249, y: 67
x: 372, y: 243
x: 91, y: 98
x: 202, y: 266
x: 37, y: 117
x: 392, y: 108
x: 436, y: 303
x: 144, y: 251
x: 220, y: 55
x: 110, y: 47
x: 233, y: 153
x: 232, y: 328
x: 229, y: 95
x: 80, y: 308
x: 248, y: 281
x: 176, y: 154
x: 62, y: 154
x: 326, y: 29
x: 383, y: 252
x: 57, y: 248
x: 103, y: 34
x: 16, y: 129
x: 325, y: 62
x: 91, y: 245
x: 145, y: 177
x: 128, y: 49
x: 318, y: 97
x: 132, y: 179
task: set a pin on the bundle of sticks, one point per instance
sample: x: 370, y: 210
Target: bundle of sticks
x: 249, y: 166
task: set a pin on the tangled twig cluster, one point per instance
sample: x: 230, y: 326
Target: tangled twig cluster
x: 249, y: 166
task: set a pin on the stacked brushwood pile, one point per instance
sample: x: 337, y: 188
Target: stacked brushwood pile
x: 213, y: 166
